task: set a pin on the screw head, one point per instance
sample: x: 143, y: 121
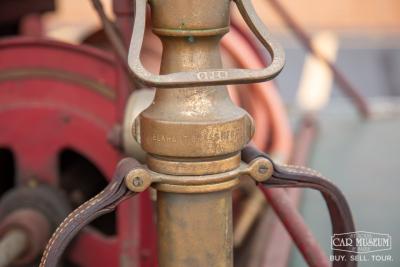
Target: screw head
x: 137, y: 181
x: 263, y: 169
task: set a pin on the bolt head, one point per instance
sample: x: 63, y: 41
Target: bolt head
x: 137, y: 182
x: 263, y: 169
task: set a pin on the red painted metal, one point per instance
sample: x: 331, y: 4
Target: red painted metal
x: 55, y: 96
x: 31, y: 25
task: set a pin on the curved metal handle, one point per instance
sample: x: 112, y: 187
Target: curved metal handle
x: 208, y: 76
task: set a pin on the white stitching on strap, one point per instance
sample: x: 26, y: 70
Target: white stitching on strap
x: 301, y: 169
x: 82, y: 208
x: 295, y: 169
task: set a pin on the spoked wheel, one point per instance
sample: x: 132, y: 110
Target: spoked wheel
x: 58, y: 105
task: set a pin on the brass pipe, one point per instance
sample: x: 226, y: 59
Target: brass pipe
x: 193, y: 131
x: 195, y: 229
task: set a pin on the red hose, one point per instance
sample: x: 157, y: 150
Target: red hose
x: 266, y: 101
x: 296, y: 227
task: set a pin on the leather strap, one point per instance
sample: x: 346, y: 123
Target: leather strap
x: 283, y: 176
x: 104, y: 202
x: 298, y: 176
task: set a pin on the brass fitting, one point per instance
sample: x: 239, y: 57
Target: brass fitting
x: 193, y: 130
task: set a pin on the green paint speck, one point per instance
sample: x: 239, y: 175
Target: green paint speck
x: 191, y: 39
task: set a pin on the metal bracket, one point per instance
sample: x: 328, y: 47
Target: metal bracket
x: 138, y: 180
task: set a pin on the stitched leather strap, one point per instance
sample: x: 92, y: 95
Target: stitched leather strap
x: 298, y: 176
x: 116, y: 191
x: 102, y: 203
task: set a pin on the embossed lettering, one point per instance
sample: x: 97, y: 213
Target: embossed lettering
x: 212, y: 75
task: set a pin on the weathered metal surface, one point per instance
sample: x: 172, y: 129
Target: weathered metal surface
x: 195, y: 229
x: 65, y: 96
x: 192, y: 122
x: 211, y: 19
x: 192, y: 131
x: 194, y: 125
x: 190, y: 167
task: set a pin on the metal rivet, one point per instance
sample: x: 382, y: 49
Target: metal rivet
x: 263, y: 169
x: 137, y: 181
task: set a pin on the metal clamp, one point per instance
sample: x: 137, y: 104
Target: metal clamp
x: 139, y: 179
x: 131, y: 178
x: 209, y: 76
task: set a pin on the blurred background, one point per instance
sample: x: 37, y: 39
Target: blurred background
x: 308, y: 112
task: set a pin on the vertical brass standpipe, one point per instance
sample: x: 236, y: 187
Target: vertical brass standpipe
x: 193, y: 131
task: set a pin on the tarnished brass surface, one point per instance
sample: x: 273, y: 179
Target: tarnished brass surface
x: 261, y: 169
x: 205, y: 188
x: 195, y: 121
x: 192, y: 19
x: 193, y: 166
x: 195, y: 229
x: 192, y: 15
x: 192, y: 131
x: 176, y: 132
x: 140, y: 179
x: 195, y: 131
